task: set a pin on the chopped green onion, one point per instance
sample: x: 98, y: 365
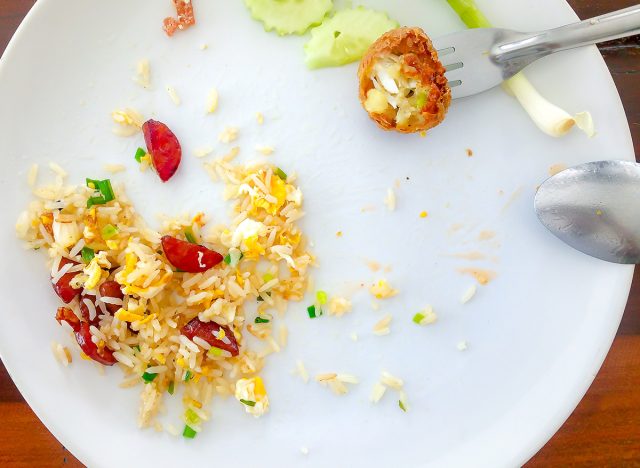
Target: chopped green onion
x: 261, y: 299
x: 171, y: 387
x: 188, y: 433
x: 106, y: 192
x: 313, y: 312
x: 87, y: 254
x: 140, y: 153
x: 188, y: 233
x: 233, y: 257
x: 248, y: 402
x: 421, y: 100
x: 191, y: 416
x: 214, y: 351
x: 137, y: 348
x: 321, y: 297
x: 261, y: 320
x: 188, y: 376
x: 109, y: 231
x: 148, y: 378
x: 418, y: 318
x: 401, y: 405
x: 280, y: 173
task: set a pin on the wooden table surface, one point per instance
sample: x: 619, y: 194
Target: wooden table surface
x: 603, y: 431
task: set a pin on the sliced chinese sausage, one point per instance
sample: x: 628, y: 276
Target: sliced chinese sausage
x: 164, y: 148
x: 81, y: 330
x: 63, y: 287
x: 209, y: 332
x: 111, y: 289
x: 188, y: 257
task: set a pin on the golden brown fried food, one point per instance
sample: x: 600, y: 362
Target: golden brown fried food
x: 402, y: 82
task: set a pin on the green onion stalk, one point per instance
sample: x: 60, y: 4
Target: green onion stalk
x: 549, y: 118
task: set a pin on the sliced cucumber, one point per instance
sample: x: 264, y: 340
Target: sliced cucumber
x: 289, y: 16
x: 345, y: 37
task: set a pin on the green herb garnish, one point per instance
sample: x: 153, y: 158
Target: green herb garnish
x: 188, y: 233
x: 106, y: 192
x: 188, y: 376
x: 109, y: 231
x: 261, y: 320
x: 191, y: 416
x: 171, y: 387
x: 418, y: 318
x: 149, y: 377
x: 248, y: 402
x: 401, y: 405
x: 87, y: 254
x: 321, y: 297
x: 214, y: 351
x: 140, y: 153
x: 280, y: 173
x: 188, y: 433
x: 313, y: 312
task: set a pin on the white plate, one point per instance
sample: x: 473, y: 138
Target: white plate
x: 537, y: 334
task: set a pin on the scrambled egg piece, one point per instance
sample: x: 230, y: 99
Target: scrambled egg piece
x: 94, y: 270
x: 382, y: 290
x: 133, y: 277
x: 252, y: 394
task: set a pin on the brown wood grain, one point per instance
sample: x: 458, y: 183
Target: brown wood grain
x: 603, y: 431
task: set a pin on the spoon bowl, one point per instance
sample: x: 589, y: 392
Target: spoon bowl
x: 595, y: 208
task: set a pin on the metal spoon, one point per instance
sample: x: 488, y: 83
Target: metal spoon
x: 595, y: 208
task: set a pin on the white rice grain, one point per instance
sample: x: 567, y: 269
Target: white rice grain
x: 468, y: 294
x: 390, y: 200
x: 202, y: 343
x: 391, y: 381
x: 377, y: 392
x: 114, y: 168
x: 32, y: 175
x: 77, y: 248
x: 173, y: 95
x: 57, y: 170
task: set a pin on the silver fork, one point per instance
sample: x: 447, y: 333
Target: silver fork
x: 479, y: 59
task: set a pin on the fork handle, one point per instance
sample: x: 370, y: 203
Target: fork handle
x: 529, y: 47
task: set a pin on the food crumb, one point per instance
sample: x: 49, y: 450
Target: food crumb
x: 228, y: 135
x: 390, y: 200
x: 173, y: 95
x: 61, y: 353
x: 469, y: 152
x: 423, y: 134
x: 259, y: 118
x: 266, y: 150
x: 339, y: 234
x: 143, y: 74
x: 301, y: 370
x: 373, y: 265
x: 424, y: 214
x: 382, y: 290
x: 599, y: 212
x: 304, y: 450
x: 391, y: 381
x: 462, y: 346
x: 468, y: 294
x: 32, y: 175
x: 202, y: 152
x: 382, y: 327
x: 204, y: 46
x: 339, y: 306
x: 212, y: 101
x: 129, y: 122
x: 114, y: 168
x: 482, y: 276
x: 425, y: 317
x: 377, y: 392
x: 354, y: 336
